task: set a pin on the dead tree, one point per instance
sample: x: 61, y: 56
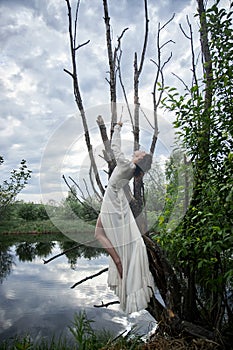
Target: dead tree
x: 158, y: 263
x: 169, y: 313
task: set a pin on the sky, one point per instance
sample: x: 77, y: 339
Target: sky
x: 39, y: 120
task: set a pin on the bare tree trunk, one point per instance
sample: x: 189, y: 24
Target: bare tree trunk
x: 112, y: 67
x: 137, y: 72
x: 77, y: 93
x: 108, y: 153
x: 208, y: 73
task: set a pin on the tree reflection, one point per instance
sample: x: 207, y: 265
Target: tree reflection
x: 81, y: 251
x: 44, y: 249
x: 6, y: 262
x: 27, y: 252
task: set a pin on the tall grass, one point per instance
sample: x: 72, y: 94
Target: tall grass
x: 84, y: 338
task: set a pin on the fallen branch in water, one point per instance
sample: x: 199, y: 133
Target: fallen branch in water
x: 107, y: 304
x: 89, y: 277
x: 67, y: 251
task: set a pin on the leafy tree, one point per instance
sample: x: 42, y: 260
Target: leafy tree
x: 10, y: 188
x: 86, y: 209
x: 42, y: 213
x: 28, y: 211
x: 179, y: 180
x: 31, y: 211
x: 201, y: 247
x: 154, y: 187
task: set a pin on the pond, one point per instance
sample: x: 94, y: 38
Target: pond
x: 37, y: 298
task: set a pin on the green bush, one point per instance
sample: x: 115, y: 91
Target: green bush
x: 31, y: 211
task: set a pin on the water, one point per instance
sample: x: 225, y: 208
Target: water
x: 36, y: 298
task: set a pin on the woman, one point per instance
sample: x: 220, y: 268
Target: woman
x: 116, y: 229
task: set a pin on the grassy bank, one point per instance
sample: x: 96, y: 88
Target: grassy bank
x: 82, y: 337
x: 18, y: 226
x: 44, y: 231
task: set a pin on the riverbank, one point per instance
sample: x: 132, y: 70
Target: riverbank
x: 19, y: 230
x: 83, y: 336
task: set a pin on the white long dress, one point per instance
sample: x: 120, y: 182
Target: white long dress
x: 136, y: 286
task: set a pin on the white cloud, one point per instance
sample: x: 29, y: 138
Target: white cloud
x: 37, y: 95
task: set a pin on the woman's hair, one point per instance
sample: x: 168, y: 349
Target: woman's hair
x: 143, y: 165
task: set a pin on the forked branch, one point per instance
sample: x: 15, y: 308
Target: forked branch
x: 77, y: 92
x: 194, y: 64
x: 159, y: 80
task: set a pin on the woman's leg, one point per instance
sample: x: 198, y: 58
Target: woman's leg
x: 107, y: 245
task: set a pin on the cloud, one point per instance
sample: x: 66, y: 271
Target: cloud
x: 37, y: 95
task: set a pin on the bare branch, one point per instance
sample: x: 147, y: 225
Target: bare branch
x: 79, y: 188
x: 185, y: 34
x: 108, y: 153
x: 111, y: 66
x: 89, y: 277
x: 145, y: 38
x: 123, y: 88
x: 119, y: 44
x: 86, y: 202
x: 68, y: 72
x: 67, y: 251
x: 159, y: 75
x: 108, y: 81
x: 123, y: 32
x: 77, y: 92
x: 170, y: 20
x: 167, y: 42
x: 99, y: 198
x: 190, y: 38
x: 86, y: 187
x: 166, y: 61
x: 71, y: 190
x: 145, y: 116
x: 182, y: 81
x: 137, y: 72
x: 76, y: 22
x: 81, y: 45
x: 108, y: 304
x: 193, y: 54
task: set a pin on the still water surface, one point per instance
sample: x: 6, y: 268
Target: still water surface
x: 36, y: 298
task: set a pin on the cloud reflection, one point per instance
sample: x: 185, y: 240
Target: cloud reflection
x: 37, y: 298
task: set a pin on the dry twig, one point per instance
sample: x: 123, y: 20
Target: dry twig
x: 89, y: 277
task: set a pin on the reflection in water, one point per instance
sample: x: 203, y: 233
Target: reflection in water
x: 37, y: 298
x: 6, y: 262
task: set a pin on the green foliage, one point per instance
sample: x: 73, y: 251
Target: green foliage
x: 26, y: 343
x: 84, y: 335
x: 201, y: 245
x: 154, y: 187
x: 32, y: 211
x: 10, y: 188
x: 179, y: 187
x: 84, y: 338
x: 87, y: 209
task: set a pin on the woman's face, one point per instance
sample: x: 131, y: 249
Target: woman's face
x: 138, y: 155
